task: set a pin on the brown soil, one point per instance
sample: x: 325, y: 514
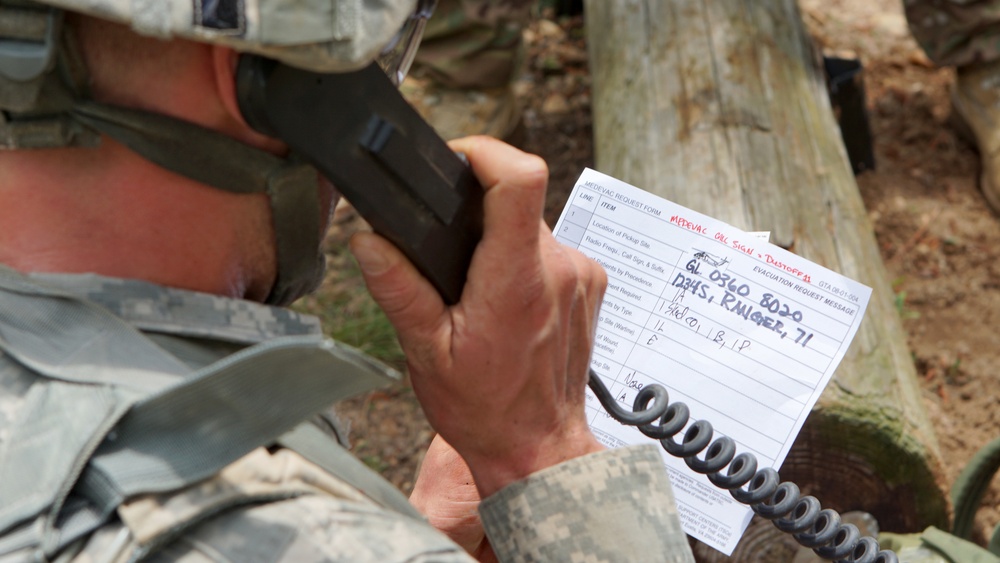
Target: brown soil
x: 939, y: 239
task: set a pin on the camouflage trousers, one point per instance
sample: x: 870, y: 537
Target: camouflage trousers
x: 956, y: 32
x: 474, y: 43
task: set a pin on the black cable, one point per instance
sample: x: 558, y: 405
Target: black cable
x: 802, y: 516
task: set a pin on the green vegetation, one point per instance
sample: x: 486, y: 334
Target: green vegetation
x: 904, y: 312
x: 350, y: 315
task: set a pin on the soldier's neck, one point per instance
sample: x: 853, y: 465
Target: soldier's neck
x: 110, y: 212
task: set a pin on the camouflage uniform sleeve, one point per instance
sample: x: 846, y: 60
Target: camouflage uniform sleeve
x: 312, y: 529
x: 615, y: 505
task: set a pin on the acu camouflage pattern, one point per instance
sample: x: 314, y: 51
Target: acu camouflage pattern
x: 317, y: 35
x: 152, y: 307
x: 268, y: 506
x: 273, y: 505
x: 473, y: 44
x: 617, y: 494
x: 956, y: 32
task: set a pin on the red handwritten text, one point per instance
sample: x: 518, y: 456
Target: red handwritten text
x: 684, y: 223
x: 790, y: 269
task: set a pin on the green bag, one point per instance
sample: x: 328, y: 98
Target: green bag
x: 937, y: 546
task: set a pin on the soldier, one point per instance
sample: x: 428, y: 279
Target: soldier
x: 966, y: 34
x: 155, y: 398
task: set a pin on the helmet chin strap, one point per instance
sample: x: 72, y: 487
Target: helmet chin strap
x: 217, y: 160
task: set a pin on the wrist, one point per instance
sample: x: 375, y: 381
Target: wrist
x: 492, y: 474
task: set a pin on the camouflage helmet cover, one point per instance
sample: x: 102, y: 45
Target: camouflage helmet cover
x: 317, y: 35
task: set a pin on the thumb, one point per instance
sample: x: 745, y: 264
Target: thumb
x: 409, y: 301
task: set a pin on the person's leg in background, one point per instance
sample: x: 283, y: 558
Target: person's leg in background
x: 966, y: 34
x: 462, y: 78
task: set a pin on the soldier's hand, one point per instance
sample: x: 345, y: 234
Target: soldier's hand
x: 502, y: 374
x: 446, y: 494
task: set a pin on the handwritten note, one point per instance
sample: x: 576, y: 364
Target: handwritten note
x: 745, y: 333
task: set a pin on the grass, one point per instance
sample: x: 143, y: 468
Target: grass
x: 349, y: 314
x: 904, y: 312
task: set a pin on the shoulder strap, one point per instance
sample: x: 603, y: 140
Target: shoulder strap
x: 311, y: 443
x: 192, y: 430
x: 92, y: 366
x: 193, y: 426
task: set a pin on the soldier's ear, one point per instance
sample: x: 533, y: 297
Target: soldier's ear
x: 224, y: 62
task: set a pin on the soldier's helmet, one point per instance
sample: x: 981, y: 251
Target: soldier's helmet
x: 44, y: 99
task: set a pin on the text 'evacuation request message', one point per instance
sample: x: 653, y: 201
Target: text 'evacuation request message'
x: 744, y: 332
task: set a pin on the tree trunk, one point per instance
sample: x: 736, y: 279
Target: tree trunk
x: 721, y: 106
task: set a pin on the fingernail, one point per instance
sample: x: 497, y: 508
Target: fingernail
x: 369, y: 255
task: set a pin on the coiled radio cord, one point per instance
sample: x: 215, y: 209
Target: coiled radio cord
x: 802, y: 516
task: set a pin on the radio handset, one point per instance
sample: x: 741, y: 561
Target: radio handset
x: 359, y: 131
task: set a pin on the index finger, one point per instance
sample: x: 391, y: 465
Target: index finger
x: 515, y: 184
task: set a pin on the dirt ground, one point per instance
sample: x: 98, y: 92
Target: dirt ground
x: 940, y: 241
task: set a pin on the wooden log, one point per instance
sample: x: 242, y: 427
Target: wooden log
x: 721, y: 106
